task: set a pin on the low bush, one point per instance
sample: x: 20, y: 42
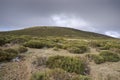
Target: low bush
x: 39, y: 44
x: 19, y: 39
x: 110, y: 56
x: 78, y: 49
x: 56, y: 49
x: 98, y: 59
x: 58, y: 74
x: 40, y: 76
x: 22, y: 49
x: 103, y: 57
x: 2, y: 40
x: 40, y: 61
x: 8, y: 54
x: 94, y: 44
x: 81, y: 77
x: 67, y: 63
x: 10, y: 50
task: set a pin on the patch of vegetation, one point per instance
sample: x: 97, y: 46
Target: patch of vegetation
x: 39, y: 44
x: 40, y: 76
x: 98, y: 59
x: 18, y: 40
x: 69, y: 64
x: 22, y: 49
x: 57, y: 74
x: 103, y: 57
x: 40, y: 61
x: 3, y: 40
x: 8, y: 54
x: 10, y: 50
x: 56, y: 48
x: 78, y: 49
x: 81, y: 77
x: 105, y: 44
x: 110, y: 56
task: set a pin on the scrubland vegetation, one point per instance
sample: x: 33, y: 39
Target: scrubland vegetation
x: 58, y: 74
x: 74, y: 66
x: 104, y: 47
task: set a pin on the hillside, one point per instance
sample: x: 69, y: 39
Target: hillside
x: 55, y: 32
x: 44, y: 55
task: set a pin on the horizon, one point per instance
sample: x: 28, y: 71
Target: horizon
x: 54, y: 26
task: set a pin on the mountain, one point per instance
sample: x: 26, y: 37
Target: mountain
x: 48, y: 31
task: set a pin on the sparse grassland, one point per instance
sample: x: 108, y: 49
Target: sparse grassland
x: 56, y: 58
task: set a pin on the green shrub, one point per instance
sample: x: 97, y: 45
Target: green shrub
x: 39, y: 44
x: 40, y: 61
x: 110, y: 56
x: 103, y: 57
x: 98, y: 59
x: 81, y: 77
x: 8, y: 54
x: 3, y: 55
x: 78, y: 49
x: 2, y: 41
x: 95, y: 44
x: 22, y: 49
x: 56, y: 49
x: 40, y: 76
x: 59, y: 74
x: 19, y: 39
x: 10, y: 50
x: 67, y: 63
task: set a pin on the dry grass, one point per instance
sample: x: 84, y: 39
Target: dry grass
x: 105, y: 71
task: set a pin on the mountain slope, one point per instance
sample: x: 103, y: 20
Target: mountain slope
x: 55, y: 32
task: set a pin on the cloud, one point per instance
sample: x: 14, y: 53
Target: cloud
x: 91, y: 15
x: 71, y: 21
x: 113, y: 34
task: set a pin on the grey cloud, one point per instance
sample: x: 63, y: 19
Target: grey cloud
x: 102, y: 15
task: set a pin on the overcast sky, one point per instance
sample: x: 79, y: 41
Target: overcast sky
x: 101, y: 16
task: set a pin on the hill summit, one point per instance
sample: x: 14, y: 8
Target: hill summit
x: 51, y: 31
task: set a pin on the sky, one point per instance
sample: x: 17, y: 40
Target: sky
x: 100, y: 16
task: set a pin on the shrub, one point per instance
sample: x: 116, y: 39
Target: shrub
x: 59, y: 74
x: 56, y: 49
x: 60, y: 46
x: 94, y: 44
x: 22, y: 49
x: 67, y: 63
x: 2, y: 55
x: 81, y: 77
x: 39, y: 44
x: 78, y: 49
x: 10, y: 50
x: 19, y: 39
x: 2, y: 41
x: 8, y: 54
x: 40, y: 76
x: 98, y: 59
x: 110, y: 56
x: 40, y: 61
